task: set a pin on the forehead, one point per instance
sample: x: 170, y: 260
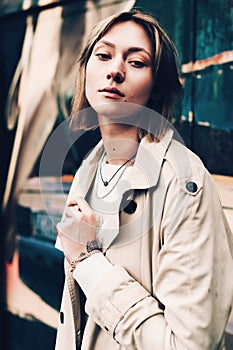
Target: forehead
x: 127, y: 33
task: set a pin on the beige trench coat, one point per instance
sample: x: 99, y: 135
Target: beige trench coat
x: 171, y: 286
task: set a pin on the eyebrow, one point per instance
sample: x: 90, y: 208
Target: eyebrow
x: 130, y: 50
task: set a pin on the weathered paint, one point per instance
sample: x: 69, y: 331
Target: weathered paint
x: 203, y: 34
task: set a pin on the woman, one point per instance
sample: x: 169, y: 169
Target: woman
x: 147, y: 246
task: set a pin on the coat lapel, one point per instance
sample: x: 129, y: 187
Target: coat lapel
x: 143, y: 175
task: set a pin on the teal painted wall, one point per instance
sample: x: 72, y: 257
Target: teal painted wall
x: 201, y: 30
x: 203, y: 33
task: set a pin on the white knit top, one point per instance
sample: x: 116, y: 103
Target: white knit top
x: 105, y: 201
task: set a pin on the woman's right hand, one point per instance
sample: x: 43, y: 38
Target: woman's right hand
x: 77, y: 227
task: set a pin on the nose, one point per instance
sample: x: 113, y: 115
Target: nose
x: 116, y: 72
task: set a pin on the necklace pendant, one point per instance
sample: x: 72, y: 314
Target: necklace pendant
x: 105, y: 183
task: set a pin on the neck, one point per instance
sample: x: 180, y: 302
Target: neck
x: 120, y: 141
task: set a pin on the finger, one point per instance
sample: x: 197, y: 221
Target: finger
x: 70, y: 210
x: 67, y: 230
x: 58, y: 229
x: 73, y: 212
x: 75, y: 209
x: 72, y: 203
x: 83, y: 205
x: 58, y: 232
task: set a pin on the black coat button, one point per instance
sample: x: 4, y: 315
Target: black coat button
x: 191, y: 186
x: 130, y: 206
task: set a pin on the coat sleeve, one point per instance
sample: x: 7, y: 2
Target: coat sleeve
x: 193, y: 286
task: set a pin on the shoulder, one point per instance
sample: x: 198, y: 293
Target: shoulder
x: 186, y: 168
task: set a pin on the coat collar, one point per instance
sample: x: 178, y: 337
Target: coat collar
x: 145, y: 172
x: 143, y: 175
x: 148, y: 162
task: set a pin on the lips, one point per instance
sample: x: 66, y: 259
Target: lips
x: 112, y: 91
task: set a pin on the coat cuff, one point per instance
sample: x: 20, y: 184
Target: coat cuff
x: 113, y: 297
x: 90, y: 271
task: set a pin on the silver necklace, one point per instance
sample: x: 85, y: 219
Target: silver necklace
x: 105, y: 183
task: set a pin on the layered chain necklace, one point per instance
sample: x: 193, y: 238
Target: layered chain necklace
x: 120, y: 171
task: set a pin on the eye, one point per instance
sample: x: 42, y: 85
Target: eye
x: 137, y: 64
x: 103, y: 56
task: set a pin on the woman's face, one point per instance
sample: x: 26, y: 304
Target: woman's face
x: 120, y: 67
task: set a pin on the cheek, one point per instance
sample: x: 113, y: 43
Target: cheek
x: 144, y: 89
x: 89, y: 81
x: 148, y: 83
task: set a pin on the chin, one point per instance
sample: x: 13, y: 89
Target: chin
x: 117, y: 110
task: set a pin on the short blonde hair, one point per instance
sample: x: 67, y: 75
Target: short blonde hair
x: 167, y: 86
